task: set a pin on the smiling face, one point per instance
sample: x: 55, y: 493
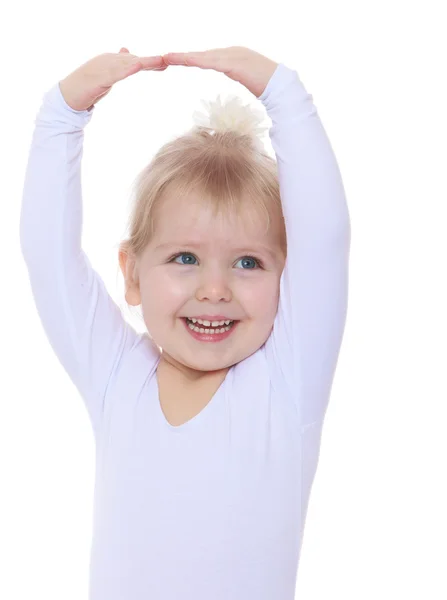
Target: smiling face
x: 199, y: 264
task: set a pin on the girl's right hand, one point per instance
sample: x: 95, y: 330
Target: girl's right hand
x: 94, y: 79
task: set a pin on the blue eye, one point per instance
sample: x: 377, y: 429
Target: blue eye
x: 245, y: 259
x: 183, y: 254
x: 248, y: 258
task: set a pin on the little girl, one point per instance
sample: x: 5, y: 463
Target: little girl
x: 207, y: 427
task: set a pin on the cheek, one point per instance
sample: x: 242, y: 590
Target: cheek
x: 171, y: 278
x: 261, y: 300
x: 269, y: 287
x: 171, y: 291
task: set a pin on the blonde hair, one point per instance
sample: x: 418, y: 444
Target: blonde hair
x: 223, y: 163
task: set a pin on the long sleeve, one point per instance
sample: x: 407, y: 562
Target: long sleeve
x: 82, y: 322
x: 308, y: 329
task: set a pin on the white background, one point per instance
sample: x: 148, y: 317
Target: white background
x: 376, y: 525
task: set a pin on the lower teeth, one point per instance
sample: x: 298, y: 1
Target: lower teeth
x: 208, y: 329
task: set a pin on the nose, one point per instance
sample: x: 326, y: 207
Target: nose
x: 214, y: 287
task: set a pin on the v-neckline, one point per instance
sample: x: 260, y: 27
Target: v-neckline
x: 196, y: 419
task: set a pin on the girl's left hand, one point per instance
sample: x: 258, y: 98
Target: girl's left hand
x: 251, y: 69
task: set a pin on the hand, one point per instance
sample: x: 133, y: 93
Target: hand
x: 251, y: 69
x: 94, y: 79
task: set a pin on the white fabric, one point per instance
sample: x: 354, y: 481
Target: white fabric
x: 215, y: 508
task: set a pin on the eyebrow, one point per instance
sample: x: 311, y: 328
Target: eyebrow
x: 256, y: 248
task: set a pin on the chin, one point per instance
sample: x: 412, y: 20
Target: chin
x: 210, y: 364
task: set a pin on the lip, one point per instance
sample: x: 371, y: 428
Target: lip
x: 211, y: 318
x: 207, y: 337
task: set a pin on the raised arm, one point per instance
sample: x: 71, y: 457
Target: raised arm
x: 308, y: 329
x: 82, y: 322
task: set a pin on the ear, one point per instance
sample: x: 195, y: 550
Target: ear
x: 132, y: 287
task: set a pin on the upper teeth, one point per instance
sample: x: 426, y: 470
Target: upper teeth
x: 210, y: 323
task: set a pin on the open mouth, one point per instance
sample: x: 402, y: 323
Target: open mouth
x: 209, y: 334
x: 200, y: 328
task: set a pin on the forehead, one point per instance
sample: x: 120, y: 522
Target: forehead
x: 190, y: 216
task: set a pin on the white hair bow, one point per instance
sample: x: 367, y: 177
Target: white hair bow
x: 231, y: 115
